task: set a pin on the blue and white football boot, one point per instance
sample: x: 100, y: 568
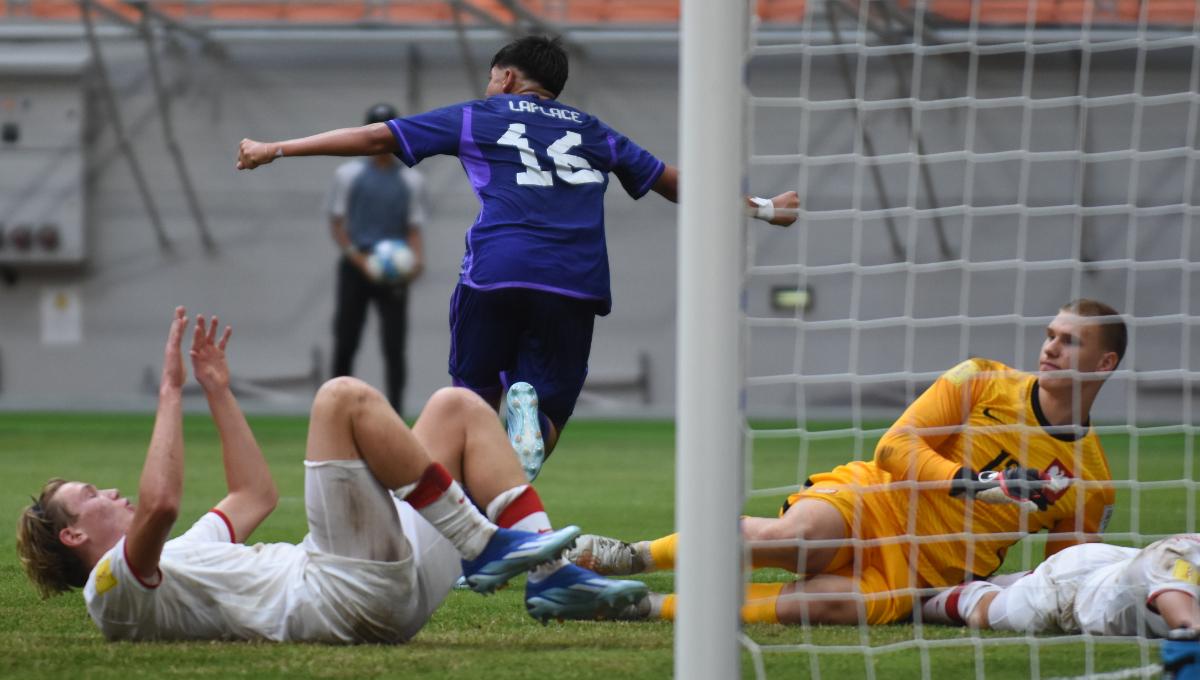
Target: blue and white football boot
x: 509, y: 553
x: 524, y: 428
x: 575, y: 593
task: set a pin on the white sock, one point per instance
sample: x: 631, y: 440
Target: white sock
x: 459, y: 521
x: 954, y: 606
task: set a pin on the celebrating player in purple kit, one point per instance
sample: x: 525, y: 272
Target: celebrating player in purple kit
x: 535, y: 273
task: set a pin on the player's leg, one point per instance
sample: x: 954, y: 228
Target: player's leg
x: 963, y: 605
x: 461, y: 431
x: 759, y: 605
x: 392, y: 303
x: 349, y: 315
x: 552, y: 358
x: 1032, y: 603
x: 781, y: 541
x: 353, y: 426
x: 774, y: 542
x: 483, y: 342
x: 862, y: 584
x: 823, y: 599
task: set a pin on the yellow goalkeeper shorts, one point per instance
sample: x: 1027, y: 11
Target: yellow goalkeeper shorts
x: 871, y: 511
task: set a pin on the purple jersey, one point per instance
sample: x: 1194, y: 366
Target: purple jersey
x: 539, y: 169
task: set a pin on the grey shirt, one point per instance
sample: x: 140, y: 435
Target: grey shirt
x: 377, y: 203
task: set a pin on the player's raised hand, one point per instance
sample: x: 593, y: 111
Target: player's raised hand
x: 252, y: 154
x: 174, y: 374
x: 208, y: 354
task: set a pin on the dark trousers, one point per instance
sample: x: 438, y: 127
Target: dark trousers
x: 354, y: 292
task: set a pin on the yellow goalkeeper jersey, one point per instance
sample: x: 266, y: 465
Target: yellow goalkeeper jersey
x: 984, y: 415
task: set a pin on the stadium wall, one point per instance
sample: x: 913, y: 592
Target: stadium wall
x: 271, y: 274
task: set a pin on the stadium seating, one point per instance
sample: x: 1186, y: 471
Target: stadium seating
x: 613, y: 12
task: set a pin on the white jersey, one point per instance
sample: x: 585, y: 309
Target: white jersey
x: 212, y: 588
x: 1114, y: 599
x: 1104, y: 589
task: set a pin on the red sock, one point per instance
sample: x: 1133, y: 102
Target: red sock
x: 520, y: 508
x: 432, y: 484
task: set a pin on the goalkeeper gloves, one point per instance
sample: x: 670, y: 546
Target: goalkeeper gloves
x: 1018, y: 485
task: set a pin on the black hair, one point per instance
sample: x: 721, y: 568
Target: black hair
x: 380, y: 113
x: 541, y: 59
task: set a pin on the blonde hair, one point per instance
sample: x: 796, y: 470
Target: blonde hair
x: 49, y: 564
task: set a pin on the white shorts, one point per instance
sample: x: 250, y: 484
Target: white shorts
x: 1044, y: 601
x: 359, y: 530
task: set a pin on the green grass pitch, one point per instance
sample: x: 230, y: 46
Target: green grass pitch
x: 608, y: 477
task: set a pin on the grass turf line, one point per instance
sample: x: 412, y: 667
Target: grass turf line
x: 609, y: 477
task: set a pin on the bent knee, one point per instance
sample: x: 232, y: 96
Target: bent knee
x: 808, y: 521
x: 459, y: 400
x: 340, y: 392
x: 769, y: 529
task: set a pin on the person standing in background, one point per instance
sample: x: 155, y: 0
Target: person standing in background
x: 373, y: 199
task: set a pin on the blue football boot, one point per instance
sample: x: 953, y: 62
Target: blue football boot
x: 509, y: 553
x: 524, y: 428
x: 575, y: 593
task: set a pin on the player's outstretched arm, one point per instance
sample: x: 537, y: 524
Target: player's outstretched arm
x: 252, y: 493
x: 667, y: 184
x: 161, y: 488
x: 779, y: 210
x: 367, y: 140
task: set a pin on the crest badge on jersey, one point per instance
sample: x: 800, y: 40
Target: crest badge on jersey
x: 1186, y: 571
x: 1060, y: 480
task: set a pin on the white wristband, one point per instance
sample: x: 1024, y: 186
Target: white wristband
x: 279, y: 151
x: 765, y: 209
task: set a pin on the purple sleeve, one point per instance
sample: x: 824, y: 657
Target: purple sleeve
x: 636, y: 168
x: 428, y: 134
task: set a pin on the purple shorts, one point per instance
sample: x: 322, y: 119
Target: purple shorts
x: 499, y: 337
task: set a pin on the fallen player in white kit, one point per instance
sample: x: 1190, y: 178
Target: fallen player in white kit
x: 1090, y: 588
x: 373, y: 568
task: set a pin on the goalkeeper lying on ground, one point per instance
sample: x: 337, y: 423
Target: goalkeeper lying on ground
x: 373, y: 568
x: 984, y: 456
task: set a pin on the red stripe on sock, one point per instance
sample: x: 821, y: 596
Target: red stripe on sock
x: 522, y: 506
x: 952, y: 605
x: 433, y: 483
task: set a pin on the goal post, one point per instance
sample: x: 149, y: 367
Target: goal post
x: 964, y: 169
x: 709, y: 382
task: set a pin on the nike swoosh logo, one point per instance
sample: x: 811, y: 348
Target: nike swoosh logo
x: 987, y: 413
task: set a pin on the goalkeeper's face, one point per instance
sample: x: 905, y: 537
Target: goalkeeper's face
x: 1073, y: 344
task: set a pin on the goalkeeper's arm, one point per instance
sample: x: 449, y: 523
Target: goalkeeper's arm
x: 1017, y: 485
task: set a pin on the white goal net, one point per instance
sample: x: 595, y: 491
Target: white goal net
x: 965, y: 168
